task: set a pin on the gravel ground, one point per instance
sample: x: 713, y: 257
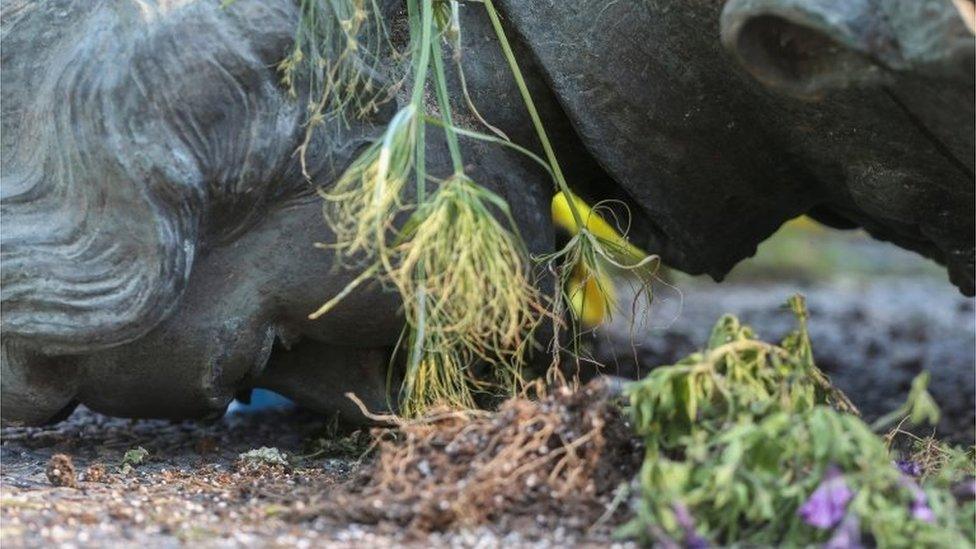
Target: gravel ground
x: 191, y: 491
x: 871, y: 338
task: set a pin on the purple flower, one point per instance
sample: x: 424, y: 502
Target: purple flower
x: 847, y: 535
x: 909, y: 467
x: 684, y: 519
x: 922, y: 511
x: 826, y: 505
x: 920, y: 502
x: 694, y: 541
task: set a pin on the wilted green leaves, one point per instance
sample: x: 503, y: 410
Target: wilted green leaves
x: 133, y: 457
x: 742, y: 433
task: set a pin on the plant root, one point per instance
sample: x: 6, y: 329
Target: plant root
x: 568, y: 452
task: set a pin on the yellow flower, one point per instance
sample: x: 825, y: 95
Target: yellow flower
x: 592, y: 294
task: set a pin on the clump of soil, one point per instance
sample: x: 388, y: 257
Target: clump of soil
x: 565, y: 454
x: 61, y: 471
x: 96, y: 473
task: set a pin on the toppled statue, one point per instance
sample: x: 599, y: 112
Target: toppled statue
x: 158, y: 230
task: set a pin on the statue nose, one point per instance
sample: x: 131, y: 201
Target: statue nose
x: 806, y: 48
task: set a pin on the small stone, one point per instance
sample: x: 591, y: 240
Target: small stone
x: 262, y: 456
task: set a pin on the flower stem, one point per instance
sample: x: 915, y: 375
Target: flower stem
x: 530, y: 106
x: 443, y: 99
x: 422, y: 15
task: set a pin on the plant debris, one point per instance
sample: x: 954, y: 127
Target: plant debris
x: 61, y: 471
x: 567, y: 453
x: 133, y: 458
x: 748, y: 442
x: 332, y: 445
x: 262, y: 458
x: 96, y: 473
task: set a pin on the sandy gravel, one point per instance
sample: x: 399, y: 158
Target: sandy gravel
x: 189, y: 491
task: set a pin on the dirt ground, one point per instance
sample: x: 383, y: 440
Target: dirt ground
x: 872, y: 338
x: 189, y: 490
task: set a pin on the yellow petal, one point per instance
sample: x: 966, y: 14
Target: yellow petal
x: 562, y: 216
x: 593, y: 301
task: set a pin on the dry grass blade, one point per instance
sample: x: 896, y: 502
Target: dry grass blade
x: 479, y: 294
x: 361, y: 206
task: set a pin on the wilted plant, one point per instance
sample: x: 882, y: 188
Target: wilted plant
x: 919, y: 407
x: 753, y: 441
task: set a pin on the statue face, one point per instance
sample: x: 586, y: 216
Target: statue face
x: 149, y: 182
x: 721, y: 122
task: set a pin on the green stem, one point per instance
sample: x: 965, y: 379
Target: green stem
x: 495, y: 140
x: 422, y: 49
x: 533, y: 113
x: 421, y: 15
x: 443, y: 99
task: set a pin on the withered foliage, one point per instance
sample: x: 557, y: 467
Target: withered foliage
x: 568, y: 452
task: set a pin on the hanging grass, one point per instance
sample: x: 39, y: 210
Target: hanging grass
x: 591, y: 293
x: 479, y: 295
x: 338, y: 45
x: 439, y: 377
x: 463, y: 275
x: 361, y: 206
x: 338, y: 48
x: 587, y: 252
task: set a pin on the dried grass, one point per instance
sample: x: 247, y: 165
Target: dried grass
x: 566, y: 453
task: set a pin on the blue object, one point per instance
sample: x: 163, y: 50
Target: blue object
x: 261, y: 399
